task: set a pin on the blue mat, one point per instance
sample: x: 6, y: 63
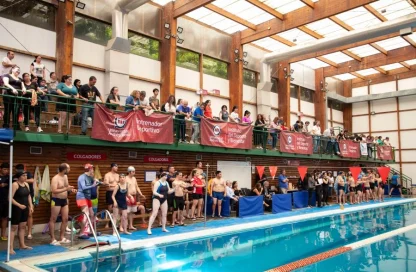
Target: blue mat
x: 36, y: 251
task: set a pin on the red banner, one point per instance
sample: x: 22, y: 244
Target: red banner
x: 302, y: 171
x: 385, y: 152
x: 349, y: 149
x: 155, y: 128
x: 224, y: 134
x: 72, y: 156
x: 384, y: 173
x: 260, y: 169
x: 131, y: 126
x: 157, y: 159
x: 273, y: 170
x: 299, y: 143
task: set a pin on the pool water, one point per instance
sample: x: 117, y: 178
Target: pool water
x: 397, y: 253
x: 256, y: 250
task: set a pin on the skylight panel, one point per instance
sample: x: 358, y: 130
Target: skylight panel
x: 212, y: 18
x: 270, y: 44
x: 391, y: 66
x: 327, y: 28
x: 291, y: 6
x: 358, y: 18
x: 261, y: 18
x: 199, y: 13
x: 392, y: 9
x: 368, y: 72
x: 411, y: 62
x: 393, y: 43
x: 313, y: 63
x: 346, y: 76
x: 161, y: 2
x: 338, y: 57
x: 234, y: 29
x: 297, y: 36
x: 224, y: 3
x: 364, y: 50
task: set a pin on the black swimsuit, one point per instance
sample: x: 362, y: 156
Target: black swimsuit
x: 163, y: 190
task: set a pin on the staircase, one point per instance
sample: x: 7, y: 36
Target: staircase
x: 406, y: 180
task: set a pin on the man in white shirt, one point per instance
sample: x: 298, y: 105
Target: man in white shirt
x: 144, y: 104
x: 7, y: 63
x: 316, y: 132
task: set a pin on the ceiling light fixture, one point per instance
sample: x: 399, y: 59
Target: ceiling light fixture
x: 80, y: 5
x: 236, y: 51
x: 167, y: 25
x: 180, y: 41
x: 245, y: 54
x: 167, y: 36
x: 180, y: 30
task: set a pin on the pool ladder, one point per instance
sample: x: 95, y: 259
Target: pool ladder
x: 93, y: 228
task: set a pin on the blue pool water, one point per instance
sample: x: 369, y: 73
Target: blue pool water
x: 397, y: 253
x: 256, y: 250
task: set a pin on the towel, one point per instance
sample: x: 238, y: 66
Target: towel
x: 45, y: 185
x: 97, y: 173
x: 36, y: 184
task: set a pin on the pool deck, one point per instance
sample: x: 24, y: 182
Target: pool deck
x: 27, y: 260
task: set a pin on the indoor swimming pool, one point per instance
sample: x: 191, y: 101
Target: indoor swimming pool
x: 260, y: 249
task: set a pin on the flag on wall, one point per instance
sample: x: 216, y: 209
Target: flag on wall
x: 302, y: 171
x: 260, y: 170
x: 273, y: 170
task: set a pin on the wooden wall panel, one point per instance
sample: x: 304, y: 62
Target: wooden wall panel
x: 53, y: 155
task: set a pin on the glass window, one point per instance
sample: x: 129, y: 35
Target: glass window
x: 336, y: 105
x: 35, y: 13
x: 294, y: 91
x: 215, y: 67
x: 306, y: 94
x: 187, y: 59
x: 249, y: 78
x: 144, y: 46
x: 274, y: 87
x: 92, y: 30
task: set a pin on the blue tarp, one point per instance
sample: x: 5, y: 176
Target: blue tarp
x: 6, y: 135
x: 282, y: 203
x: 251, y: 205
x: 300, y: 199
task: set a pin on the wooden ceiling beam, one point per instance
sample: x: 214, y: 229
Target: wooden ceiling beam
x: 379, y: 48
x: 377, y: 60
x: 266, y: 8
x: 283, y: 40
x: 310, y: 32
x: 381, y: 70
x: 405, y: 65
x: 309, y: 3
x: 375, y: 13
x: 182, y: 7
x: 409, y: 40
x: 358, y: 75
x: 341, y: 23
x: 400, y: 73
x: 351, y: 54
x: 302, y: 16
x: 327, y: 61
x: 231, y: 16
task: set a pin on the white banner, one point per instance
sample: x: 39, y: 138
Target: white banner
x: 363, y: 148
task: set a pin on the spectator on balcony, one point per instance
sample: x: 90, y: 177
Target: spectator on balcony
x: 37, y: 69
x: 234, y: 115
x: 274, y: 128
x: 89, y: 93
x: 184, y: 112
x: 144, y: 104
x: 53, y: 84
x: 284, y: 126
x: 113, y: 98
x: 306, y: 127
x: 370, y: 145
x: 208, y: 110
x: 246, y: 117
x: 179, y: 103
x: 379, y: 140
x: 297, y: 127
x: 154, y: 101
x: 77, y: 84
x: 7, y: 64
x: 316, y: 133
x: 198, y: 113
x: 31, y: 104
x: 259, y: 132
x: 283, y: 182
x: 13, y: 83
x: 387, y: 141
x: 66, y: 105
x: 224, y: 113
x: 133, y: 102
x: 43, y: 87
x: 170, y: 105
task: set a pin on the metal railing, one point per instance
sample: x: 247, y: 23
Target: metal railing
x: 262, y: 137
x: 114, y: 229
x: 404, y: 179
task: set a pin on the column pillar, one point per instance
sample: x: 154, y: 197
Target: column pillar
x: 236, y: 74
x: 168, y: 54
x: 347, y: 113
x: 320, y: 99
x: 65, y: 20
x: 283, y: 89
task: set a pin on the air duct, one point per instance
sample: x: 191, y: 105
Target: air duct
x: 349, y: 38
x: 120, y: 16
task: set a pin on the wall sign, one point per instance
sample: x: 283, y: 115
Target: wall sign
x: 73, y: 156
x: 293, y: 162
x: 157, y: 159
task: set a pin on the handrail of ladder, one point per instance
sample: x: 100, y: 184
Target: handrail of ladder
x: 93, y: 233
x: 115, y: 230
